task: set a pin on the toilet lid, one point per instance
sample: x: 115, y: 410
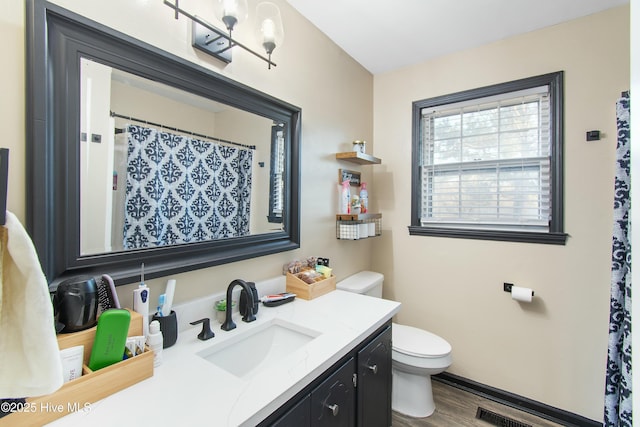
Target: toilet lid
x: 418, y: 342
x: 361, y: 283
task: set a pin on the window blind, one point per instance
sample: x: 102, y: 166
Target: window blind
x: 278, y: 175
x: 486, y: 162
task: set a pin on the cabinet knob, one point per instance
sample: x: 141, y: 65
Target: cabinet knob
x: 334, y: 409
x: 373, y: 368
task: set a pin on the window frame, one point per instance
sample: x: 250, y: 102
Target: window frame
x: 555, y: 235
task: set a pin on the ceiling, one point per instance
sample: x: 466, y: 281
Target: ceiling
x: 384, y: 35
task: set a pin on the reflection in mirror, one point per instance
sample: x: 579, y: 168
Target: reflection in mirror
x: 84, y: 81
x: 276, y: 181
x: 160, y: 166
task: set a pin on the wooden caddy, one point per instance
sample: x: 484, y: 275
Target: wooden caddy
x: 80, y: 393
x: 310, y: 291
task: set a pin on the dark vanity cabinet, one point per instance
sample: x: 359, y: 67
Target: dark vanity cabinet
x: 356, y: 391
x: 297, y: 415
x: 374, y: 382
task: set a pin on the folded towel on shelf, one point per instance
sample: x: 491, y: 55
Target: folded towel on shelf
x: 29, y: 356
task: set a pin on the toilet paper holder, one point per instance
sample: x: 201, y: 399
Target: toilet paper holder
x: 508, y: 286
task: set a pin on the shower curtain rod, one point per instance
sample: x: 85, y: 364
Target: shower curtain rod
x: 213, y: 138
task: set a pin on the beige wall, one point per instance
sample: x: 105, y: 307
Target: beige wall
x: 12, y: 87
x: 553, y: 350
x: 334, y: 92
x: 96, y: 160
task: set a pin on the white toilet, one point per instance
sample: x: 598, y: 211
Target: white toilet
x: 416, y: 354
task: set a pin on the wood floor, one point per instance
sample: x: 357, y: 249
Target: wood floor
x: 457, y: 408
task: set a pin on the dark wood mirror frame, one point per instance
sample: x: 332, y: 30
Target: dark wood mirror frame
x: 56, y: 40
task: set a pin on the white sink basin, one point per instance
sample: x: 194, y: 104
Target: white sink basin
x: 259, y: 348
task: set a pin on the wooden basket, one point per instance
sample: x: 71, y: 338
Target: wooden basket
x: 80, y: 393
x: 310, y: 291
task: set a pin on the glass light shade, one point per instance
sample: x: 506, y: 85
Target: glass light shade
x: 269, y: 29
x: 230, y: 12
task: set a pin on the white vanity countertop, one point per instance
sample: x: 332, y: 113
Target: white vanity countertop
x: 188, y: 389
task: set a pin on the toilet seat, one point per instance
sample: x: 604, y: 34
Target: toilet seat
x: 416, y: 342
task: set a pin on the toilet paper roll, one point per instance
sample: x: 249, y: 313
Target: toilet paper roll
x: 521, y: 294
x: 363, y: 230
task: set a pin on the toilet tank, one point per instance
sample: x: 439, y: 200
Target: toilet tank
x: 364, y: 282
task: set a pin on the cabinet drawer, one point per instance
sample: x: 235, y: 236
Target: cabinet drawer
x: 299, y: 415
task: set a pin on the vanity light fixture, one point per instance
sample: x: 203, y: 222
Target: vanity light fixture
x: 218, y: 43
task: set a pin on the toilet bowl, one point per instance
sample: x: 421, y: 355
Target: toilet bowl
x: 416, y: 354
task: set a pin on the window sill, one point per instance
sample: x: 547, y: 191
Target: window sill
x: 497, y: 235
x: 276, y: 219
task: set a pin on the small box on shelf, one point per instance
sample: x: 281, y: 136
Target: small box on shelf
x: 308, y: 291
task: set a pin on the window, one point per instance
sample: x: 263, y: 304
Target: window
x: 276, y: 184
x: 487, y: 163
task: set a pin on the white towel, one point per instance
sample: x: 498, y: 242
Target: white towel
x: 29, y: 356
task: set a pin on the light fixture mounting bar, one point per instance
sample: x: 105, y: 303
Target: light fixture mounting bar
x: 211, y: 43
x: 210, y: 27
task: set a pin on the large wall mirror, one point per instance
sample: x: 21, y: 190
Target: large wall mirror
x: 137, y: 156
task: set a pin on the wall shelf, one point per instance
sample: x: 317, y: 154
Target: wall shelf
x: 359, y: 158
x: 358, y: 217
x: 357, y: 226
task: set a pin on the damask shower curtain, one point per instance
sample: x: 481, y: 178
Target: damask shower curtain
x: 618, y: 404
x: 181, y: 189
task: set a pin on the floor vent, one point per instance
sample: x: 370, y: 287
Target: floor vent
x: 498, y: 420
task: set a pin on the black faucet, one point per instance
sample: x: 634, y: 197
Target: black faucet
x: 249, y: 314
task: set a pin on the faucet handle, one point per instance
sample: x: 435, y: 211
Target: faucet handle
x: 206, y: 333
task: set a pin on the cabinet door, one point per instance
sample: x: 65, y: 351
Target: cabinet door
x: 298, y: 416
x: 333, y: 401
x: 374, y: 382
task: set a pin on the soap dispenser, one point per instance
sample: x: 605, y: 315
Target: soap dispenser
x: 243, y: 299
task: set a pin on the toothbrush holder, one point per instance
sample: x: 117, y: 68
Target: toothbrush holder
x: 169, y: 328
